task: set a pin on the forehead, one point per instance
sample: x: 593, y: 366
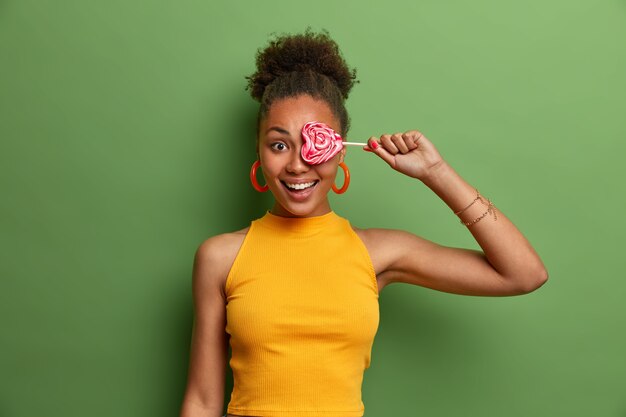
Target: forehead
x: 292, y: 113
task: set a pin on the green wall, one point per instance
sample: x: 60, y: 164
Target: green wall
x: 126, y: 138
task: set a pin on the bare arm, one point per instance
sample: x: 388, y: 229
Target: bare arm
x: 504, y: 246
x: 204, y: 396
x: 508, y: 264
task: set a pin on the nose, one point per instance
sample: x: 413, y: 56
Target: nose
x: 296, y: 164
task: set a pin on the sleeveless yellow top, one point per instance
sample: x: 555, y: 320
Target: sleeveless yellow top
x: 302, y: 313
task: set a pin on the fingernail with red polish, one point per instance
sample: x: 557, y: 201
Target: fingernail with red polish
x: 374, y: 144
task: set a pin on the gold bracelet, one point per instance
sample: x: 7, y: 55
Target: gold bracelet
x: 491, y: 208
x: 470, y: 204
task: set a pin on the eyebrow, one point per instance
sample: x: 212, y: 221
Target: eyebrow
x: 278, y: 129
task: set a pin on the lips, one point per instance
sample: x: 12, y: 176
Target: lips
x: 301, y: 191
x: 299, y: 185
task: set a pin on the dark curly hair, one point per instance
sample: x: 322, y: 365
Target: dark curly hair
x: 306, y: 63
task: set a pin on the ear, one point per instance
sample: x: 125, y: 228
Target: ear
x: 342, y: 154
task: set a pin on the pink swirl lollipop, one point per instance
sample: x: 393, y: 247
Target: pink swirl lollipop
x: 321, y: 143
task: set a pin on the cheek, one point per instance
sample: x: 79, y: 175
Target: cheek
x: 270, y: 169
x: 268, y: 164
x: 274, y: 164
x: 328, y: 171
x: 330, y: 167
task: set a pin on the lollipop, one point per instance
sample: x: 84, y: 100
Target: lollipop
x: 321, y: 143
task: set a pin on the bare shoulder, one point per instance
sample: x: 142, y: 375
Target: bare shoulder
x: 383, y: 239
x: 379, y: 238
x: 382, y: 245
x: 222, y: 242
x: 217, y: 254
x: 383, y: 236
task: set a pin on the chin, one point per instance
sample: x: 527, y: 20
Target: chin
x: 299, y: 211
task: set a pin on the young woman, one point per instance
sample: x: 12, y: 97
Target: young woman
x: 296, y: 293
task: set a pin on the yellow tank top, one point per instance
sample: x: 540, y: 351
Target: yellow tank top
x: 302, y: 313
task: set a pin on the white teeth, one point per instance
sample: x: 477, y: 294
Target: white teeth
x: 300, y: 186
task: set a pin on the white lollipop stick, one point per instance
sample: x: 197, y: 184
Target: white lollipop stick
x: 355, y: 143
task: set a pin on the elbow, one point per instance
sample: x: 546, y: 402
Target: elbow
x: 534, y: 282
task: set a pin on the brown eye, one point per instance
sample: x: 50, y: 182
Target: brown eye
x: 279, y: 146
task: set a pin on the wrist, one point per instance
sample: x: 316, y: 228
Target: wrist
x: 436, y: 173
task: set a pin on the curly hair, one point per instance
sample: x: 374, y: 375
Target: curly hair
x: 306, y: 63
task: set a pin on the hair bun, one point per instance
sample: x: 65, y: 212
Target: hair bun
x: 301, y: 52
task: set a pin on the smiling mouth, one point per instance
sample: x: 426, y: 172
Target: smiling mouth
x: 300, y: 188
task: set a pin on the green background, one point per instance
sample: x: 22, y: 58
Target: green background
x: 127, y: 137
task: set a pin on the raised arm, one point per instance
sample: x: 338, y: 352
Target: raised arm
x: 204, y: 395
x: 508, y: 264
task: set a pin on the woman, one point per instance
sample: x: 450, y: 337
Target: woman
x: 296, y: 293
